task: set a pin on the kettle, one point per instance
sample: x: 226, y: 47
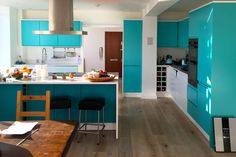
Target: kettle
x: 169, y: 60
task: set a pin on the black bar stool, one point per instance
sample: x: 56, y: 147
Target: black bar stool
x: 92, y: 104
x: 61, y: 103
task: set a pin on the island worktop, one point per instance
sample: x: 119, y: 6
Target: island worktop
x: 76, y: 80
x: 76, y: 89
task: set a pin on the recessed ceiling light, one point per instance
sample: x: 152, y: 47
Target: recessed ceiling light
x: 98, y: 5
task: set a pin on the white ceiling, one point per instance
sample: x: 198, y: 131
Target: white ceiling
x: 187, y: 5
x: 121, y: 5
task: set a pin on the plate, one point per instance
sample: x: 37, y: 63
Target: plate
x: 101, y: 79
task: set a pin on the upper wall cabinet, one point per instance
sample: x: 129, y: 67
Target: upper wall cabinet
x: 71, y: 40
x: 173, y: 34
x: 47, y: 40
x: 133, y: 42
x: 167, y: 34
x: 183, y: 34
x: 30, y: 39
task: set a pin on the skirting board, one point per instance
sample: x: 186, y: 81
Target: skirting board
x: 109, y: 126
x: 194, y: 122
x: 149, y: 96
x: 133, y: 95
x: 198, y: 126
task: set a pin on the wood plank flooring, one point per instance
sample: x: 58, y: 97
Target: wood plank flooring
x: 148, y: 128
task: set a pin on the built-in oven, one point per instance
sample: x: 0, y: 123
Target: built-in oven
x: 193, y: 62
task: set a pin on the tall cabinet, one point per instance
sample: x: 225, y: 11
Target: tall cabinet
x: 132, y: 56
x: 213, y: 97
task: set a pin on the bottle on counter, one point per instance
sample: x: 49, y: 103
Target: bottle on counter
x: 64, y: 76
x: 163, y: 60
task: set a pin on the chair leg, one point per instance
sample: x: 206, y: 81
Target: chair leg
x: 86, y: 120
x: 69, y: 113
x: 98, y: 131
x: 80, y: 112
x: 103, y: 121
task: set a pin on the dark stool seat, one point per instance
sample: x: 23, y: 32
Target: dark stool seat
x: 92, y: 104
x: 95, y: 104
x: 60, y: 103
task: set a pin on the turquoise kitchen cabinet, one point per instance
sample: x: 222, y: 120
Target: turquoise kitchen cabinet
x: 201, y: 27
x: 193, y: 110
x: 27, y: 28
x: 167, y: 34
x: 199, y: 106
x: 132, y: 56
x: 215, y: 30
x: 133, y: 42
x: 132, y: 79
x: 8, y: 102
x: 30, y: 39
x: 77, y: 92
x: 71, y: 40
x: 183, y: 30
x: 204, y: 107
x: 223, y: 60
x: 192, y: 94
x: 203, y: 19
x: 47, y: 40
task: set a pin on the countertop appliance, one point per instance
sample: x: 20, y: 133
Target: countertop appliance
x: 225, y: 134
x: 193, y: 62
x: 169, y: 60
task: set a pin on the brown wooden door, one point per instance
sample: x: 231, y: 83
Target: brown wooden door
x: 113, y: 52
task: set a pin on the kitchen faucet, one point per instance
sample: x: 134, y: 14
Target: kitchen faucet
x: 44, y: 55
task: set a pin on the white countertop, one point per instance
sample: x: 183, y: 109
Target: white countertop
x: 60, y: 81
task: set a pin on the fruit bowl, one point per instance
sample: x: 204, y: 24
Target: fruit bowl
x: 99, y: 79
x: 17, y: 76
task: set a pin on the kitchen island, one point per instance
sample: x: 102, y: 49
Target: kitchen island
x: 76, y: 89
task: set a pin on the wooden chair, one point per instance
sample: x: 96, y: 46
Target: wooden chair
x: 22, y: 98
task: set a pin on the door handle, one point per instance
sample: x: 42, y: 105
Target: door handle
x: 114, y: 60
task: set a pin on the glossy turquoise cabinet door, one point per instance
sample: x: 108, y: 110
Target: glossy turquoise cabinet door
x: 132, y: 79
x: 204, y: 103
x: 71, y: 40
x: 47, y: 40
x: 193, y: 111
x: 192, y: 94
x: 201, y: 27
x: 27, y: 28
x: 133, y: 33
x: 8, y: 94
x: 183, y: 34
x: 167, y: 34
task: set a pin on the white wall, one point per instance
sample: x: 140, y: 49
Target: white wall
x: 5, y: 37
x: 14, y: 34
x: 149, y: 56
x: 89, y: 17
x: 92, y: 42
x: 176, y: 53
x: 8, y: 36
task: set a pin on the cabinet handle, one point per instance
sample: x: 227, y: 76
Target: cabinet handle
x: 176, y: 72
x: 114, y: 60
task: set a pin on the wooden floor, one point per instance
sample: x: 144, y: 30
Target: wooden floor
x: 148, y: 128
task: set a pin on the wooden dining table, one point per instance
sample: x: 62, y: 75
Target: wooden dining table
x: 53, y: 138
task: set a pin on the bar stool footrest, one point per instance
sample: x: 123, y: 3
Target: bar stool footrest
x: 83, y: 131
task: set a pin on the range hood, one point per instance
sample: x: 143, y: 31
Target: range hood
x: 60, y: 18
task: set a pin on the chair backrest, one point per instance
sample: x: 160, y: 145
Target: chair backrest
x: 22, y: 98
